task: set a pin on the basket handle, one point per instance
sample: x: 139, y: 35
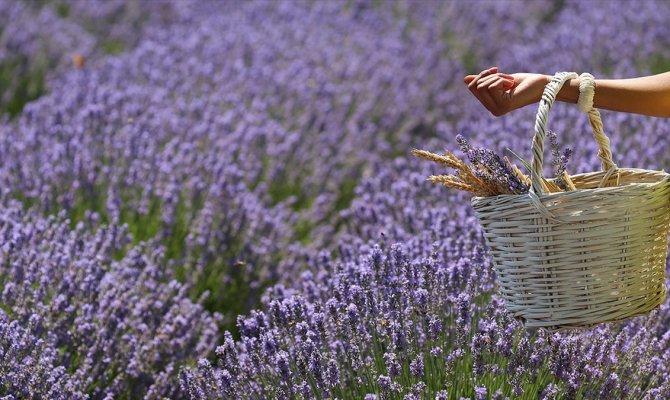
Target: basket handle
x: 548, y: 98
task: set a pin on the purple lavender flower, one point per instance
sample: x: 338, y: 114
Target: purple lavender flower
x: 393, y: 367
x: 333, y: 372
x: 610, y: 386
x: 283, y: 366
x: 434, y: 327
x: 352, y: 313
x: 384, y: 383
x: 480, y: 392
x: 416, y: 367
x: 421, y: 298
x: 560, y: 160
x: 441, y: 395
x: 498, y: 395
x: 478, y: 348
x: 550, y: 392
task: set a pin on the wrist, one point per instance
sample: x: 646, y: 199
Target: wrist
x: 536, y: 88
x: 569, y: 93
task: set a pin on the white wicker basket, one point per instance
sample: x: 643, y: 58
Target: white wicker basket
x: 582, y: 257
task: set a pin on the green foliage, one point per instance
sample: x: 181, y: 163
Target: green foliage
x: 230, y: 291
x: 113, y: 46
x: 303, y: 229
x: 466, y: 54
x: 22, y: 88
x: 554, y: 11
x: 282, y: 190
x: 659, y: 63
x: 63, y: 10
x: 91, y: 198
x: 346, y: 193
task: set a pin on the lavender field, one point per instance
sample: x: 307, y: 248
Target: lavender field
x: 216, y: 199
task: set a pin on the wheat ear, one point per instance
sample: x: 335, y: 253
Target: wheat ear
x: 452, y: 162
x: 453, y: 182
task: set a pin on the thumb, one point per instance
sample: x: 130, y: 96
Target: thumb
x: 469, y: 79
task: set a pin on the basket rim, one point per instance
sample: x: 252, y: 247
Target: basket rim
x: 665, y: 178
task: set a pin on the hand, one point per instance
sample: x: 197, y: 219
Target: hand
x: 501, y: 93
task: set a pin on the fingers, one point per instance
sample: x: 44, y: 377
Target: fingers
x: 490, y: 70
x: 485, y: 72
x: 487, y: 81
x: 473, y: 83
x: 487, y: 76
x: 495, y: 82
x: 507, y: 81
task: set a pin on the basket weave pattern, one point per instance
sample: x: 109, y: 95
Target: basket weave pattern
x: 578, y: 258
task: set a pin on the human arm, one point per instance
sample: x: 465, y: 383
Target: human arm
x: 501, y: 93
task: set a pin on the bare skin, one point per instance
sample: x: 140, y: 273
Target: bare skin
x: 501, y: 93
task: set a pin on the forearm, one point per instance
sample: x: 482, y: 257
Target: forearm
x: 648, y: 95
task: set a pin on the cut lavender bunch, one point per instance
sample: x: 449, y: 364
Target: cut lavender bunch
x: 487, y: 174
x: 488, y: 166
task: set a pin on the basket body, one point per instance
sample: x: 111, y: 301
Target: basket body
x: 603, y: 261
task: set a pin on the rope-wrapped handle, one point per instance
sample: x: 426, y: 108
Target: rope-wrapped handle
x: 548, y: 98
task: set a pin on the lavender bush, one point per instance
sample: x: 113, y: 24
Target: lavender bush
x: 220, y: 202
x: 92, y: 321
x: 382, y: 323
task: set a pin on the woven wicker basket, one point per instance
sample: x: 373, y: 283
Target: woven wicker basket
x: 578, y: 258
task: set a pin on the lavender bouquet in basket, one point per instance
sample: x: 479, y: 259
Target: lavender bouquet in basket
x: 487, y: 174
